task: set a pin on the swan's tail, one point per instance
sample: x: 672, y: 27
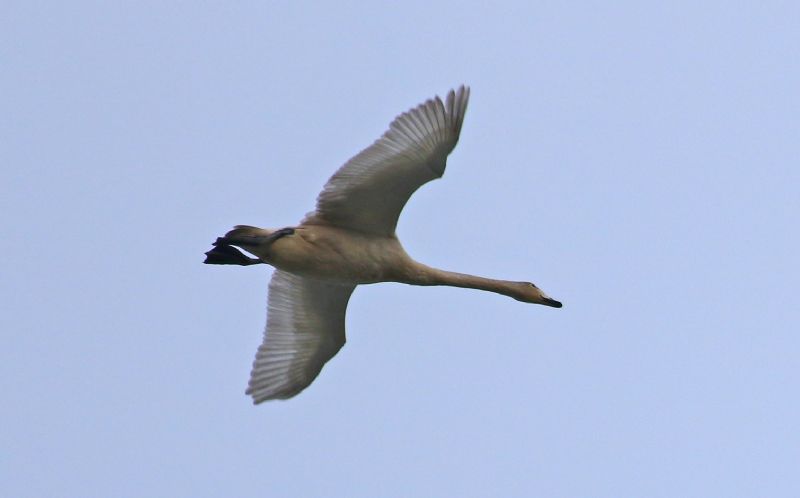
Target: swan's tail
x: 246, y: 237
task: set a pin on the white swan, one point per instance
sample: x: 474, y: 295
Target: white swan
x: 349, y: 240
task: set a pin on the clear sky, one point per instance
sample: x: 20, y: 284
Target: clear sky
x: 638, y: 161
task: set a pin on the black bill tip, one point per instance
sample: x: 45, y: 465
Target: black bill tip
x: 551, y: 302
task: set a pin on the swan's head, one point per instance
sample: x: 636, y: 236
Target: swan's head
x: 532, y: 294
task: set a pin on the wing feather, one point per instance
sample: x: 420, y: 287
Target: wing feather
x: 369, y: 192
x: 305, y: 329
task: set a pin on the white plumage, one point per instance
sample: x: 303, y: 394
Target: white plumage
x: 350, y: 240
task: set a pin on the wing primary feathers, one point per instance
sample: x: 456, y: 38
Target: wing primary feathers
x: 369, y: 192
x: 305, y: 329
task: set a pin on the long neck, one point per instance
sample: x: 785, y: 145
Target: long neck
x: 425, y: 275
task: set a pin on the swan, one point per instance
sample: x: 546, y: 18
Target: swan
x: 348, y: 240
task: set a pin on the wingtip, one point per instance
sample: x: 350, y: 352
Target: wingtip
x: 456, y: 106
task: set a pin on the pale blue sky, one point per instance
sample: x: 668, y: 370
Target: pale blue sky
x: 638, y: 162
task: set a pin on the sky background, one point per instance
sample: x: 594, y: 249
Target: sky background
x: 637, y: 161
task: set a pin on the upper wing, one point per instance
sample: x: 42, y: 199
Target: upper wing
x: 369, y: 191
x: 305, y: 328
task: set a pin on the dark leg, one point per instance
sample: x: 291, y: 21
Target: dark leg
x: 241, y: 237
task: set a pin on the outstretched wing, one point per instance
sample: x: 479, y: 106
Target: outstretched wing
x: 305, y: 328
x: 369, y: 191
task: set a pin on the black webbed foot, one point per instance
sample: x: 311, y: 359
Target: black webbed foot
x: 227, y: 255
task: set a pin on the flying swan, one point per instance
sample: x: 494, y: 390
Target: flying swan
x: 350, y: 240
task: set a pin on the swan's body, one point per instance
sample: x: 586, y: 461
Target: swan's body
x: 347, y: 241
x: 333, y: 253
